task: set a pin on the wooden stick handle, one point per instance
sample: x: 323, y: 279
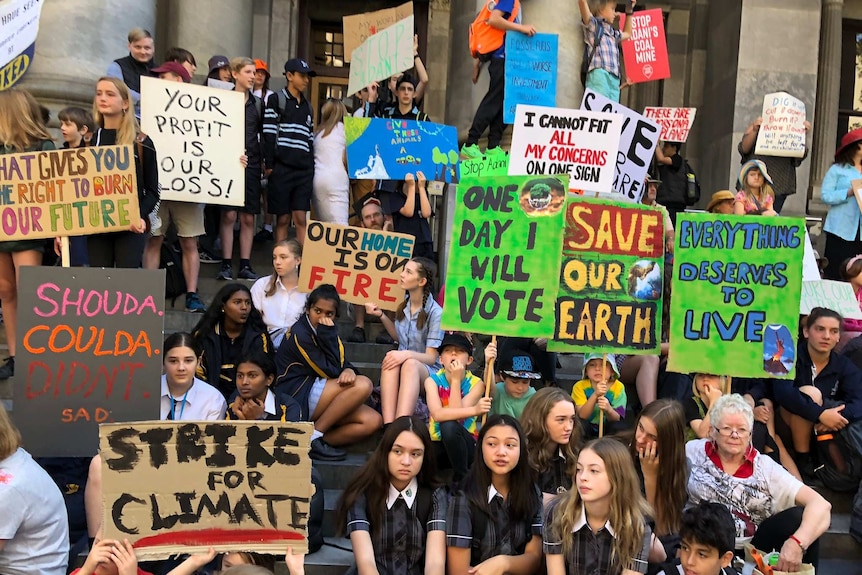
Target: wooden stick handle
x: 602, y: 413
x: 489, y: 377
x: 65, y: 257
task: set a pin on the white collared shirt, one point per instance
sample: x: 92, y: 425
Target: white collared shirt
x: 409, y: 494
x: 269, y: 402
x: 492, y: 492
x: 582, y: 520
x: 202, y: 402
x: 280, y: 310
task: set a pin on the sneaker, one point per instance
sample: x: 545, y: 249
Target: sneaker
x: 7, y: 370
x: 496, y: 152
x: 471, y: 152
x: 194, y: 304
x: 357, y: 335
x: 264, y: 235
x: 247, y: 273
x: 226, y: 273
x: 322, y: 451
x: 384, y: 339
x: 207, y: 258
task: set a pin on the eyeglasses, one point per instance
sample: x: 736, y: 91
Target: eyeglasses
x: 729, y: 431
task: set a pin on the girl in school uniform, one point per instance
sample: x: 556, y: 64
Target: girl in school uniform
x: 277, y: 296
x: 394, y: 509
x: 417, y: 330
x: 495, y: 520
x: 253, y: 398
x: 599, y: 527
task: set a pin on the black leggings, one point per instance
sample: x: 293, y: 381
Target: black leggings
x: 456, y: 447
x: 116, y: 250
x: 774, y: 531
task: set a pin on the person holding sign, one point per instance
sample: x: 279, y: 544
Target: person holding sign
x: 394, y: 509
x: 20, y: 131
x: 110, y: 557
x: 843, y: 224
x: 277, y: 296
x: 755, y: 196
x: 553, y: 440
x: 600, y: 395
x: 253, y: 398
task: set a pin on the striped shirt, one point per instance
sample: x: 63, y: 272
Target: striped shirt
x: 607, y: 56
x: 288, y: 135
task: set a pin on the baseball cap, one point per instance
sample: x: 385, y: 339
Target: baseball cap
x: 174, y: 68
x: 261, y: 65
x: 299, y: 65
x: 217, y: 62
x: 520, y: 365
x: 405, y: 79
x: 457, y: 340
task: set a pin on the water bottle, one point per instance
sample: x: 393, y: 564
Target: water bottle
x: 691, y: 188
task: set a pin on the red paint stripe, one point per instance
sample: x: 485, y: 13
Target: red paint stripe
x: 205, y: 537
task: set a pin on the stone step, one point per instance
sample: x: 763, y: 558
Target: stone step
x: 337, y: 474
x: 837, y: 543
x: 829, y: 566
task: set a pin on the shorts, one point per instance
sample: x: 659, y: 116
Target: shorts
x: 314, y: 395
x: 252, y: 193
x: 289, y: 190
x: 188, y: 217
x: 601, y: 81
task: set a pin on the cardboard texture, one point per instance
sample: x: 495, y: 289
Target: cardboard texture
x: 638, y: 140
x: 611, y: 280
x: 18, y: 38
x: 736, y: 292
x: 358, y: 27
x: 363, y: 265
x: 645, y: 54
x: 675, y: 123
x: 382, y: 55
x: 531, y: 72
x: 504, y: 256
x: 68, y: 192
x: 782, y: 132
x: 199, y: 135
x: 837, y: 296
x: 174, y: 487
x: 580, y: 143
x: 89, y: 352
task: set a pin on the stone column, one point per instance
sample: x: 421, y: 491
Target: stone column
x: 210, y: 27
x: 826, y: 110
x: 76, y: 42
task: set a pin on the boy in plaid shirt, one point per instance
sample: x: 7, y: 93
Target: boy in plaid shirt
x: 602, y: 45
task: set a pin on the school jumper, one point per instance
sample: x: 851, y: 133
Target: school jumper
x: 288, y: 148
x: 220, y: 355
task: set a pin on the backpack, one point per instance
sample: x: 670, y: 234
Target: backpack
x: 692, y: 189
x: 590, y: 54
x: 484, y: 38
x: 175, y: 281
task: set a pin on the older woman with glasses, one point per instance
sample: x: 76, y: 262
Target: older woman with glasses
x: 772, y: 509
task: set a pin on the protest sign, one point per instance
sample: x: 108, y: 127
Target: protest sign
x: 810, y: 269
x: 382, y: 55
x: 504, y: 257
x: 487, y: 165
x: 639, y: 138
x: 73, y: 192
x: 782, y: 132
x: 611, y: 280
x: 579, y: 143
x: 199, y: 133
x: 364, y: 265
x: 89, y: 350
x: 675, y: 122
x: 645, y: 53
x: 173, y: 487
x: 736, y: 291
x: 837, y: 296
x: 389, y: 149
x: 358, y: 27
x: 531, y: 72
x: 20, y: 19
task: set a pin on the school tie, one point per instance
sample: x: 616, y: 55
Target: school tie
x: 173, y: 407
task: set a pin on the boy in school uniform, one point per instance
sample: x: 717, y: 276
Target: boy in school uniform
x: 600, y: 392
x: 602, y: 41
x: 512, y: 394
x: 708, y: 538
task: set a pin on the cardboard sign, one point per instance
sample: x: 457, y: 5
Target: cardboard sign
x: 173, y: 487
x: 857, y: 191
x: 579, y: 143
x: 645, y: 54
x: 810, y: 269
x: 782, y: 132
x: 20, y: 19
x: 358, y: 27
x: 389, y: 149
x: 504, y: 257
x: 199, y: 133
x: 68, y: 192
x: 531, y: 72
x: 637, y: 144
x: 486, y: 166
x: 837, y: 296
x: 675, y: 123
x: 736, y: 290
x: 611, y: 279
x: 364, y: 265
x: 382, y: 55
x: 89, y: 352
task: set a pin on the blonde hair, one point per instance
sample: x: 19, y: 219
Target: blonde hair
x: 128, y: 130
x: 331, y: 114
x: 295, y: 248
x: 136, y: 34
x: 20, y: 127
x: 240, y: 62
x: 10, y: 437
x: 765, y: 191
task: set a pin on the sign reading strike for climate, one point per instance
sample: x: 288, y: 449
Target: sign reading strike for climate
x: 675, y: 123
x: 782, y: 132
x: 531, y: 72
x: 611, y: 280
x: 577, y: 143
x: 89, y: 352
x: 504, y: 257
x: 363, y: 265
x: 19, y: 26
x: 68, y: 192
x: 645, y: 54
x: 358, y: 28
x: 173, y: 487
x: 639, y: 138
x: 736, y: 292
x: 199, y: 133
x: 382, y: 55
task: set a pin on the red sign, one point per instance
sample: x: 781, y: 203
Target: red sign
x: 645, y: 54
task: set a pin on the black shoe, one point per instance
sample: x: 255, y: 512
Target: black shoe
x: 264, y: 235
x: 385, y: 339
x: 357, y: 335
x: 7, y: 370
x: 322, y: 451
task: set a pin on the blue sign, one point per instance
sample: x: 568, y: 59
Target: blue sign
x: 389, y: 149
x: 531, y: 72
x: 12, y: 72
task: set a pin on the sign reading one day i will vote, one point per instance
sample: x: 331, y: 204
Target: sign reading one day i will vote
x: 782, y: 132
x: 74, y: 192
x: 89, y: 352
x: 364, y: 265
x: 531, y: 72
x: 645, y: 53
x: 199, y: 134
x: 736, y: 291
x: 578, y: 143
x: 382, y: 55
x: 675, y: 123
x: 173, y: 487
x: 358, y: 27
x: 504, y: 257
x: 611, y: 279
